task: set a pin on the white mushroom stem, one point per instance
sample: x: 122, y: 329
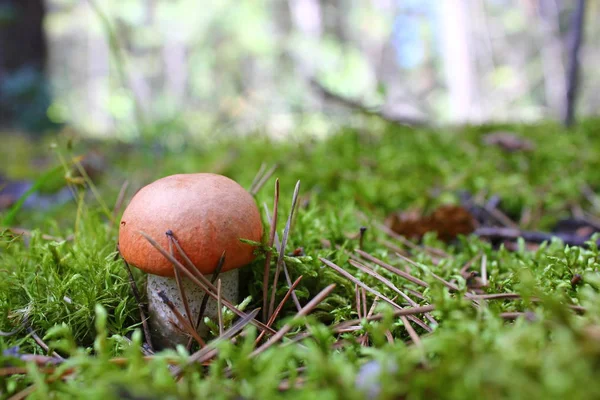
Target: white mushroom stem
x: 163, y: 331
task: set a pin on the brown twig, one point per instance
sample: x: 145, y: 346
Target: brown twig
x: 204, y: 302
x: 356, y: 281
x: 514, y: 315
x: 357, y: 300
x: 373, y: 291
x: 282, y: 245
x: 500, y: 216
x: 254, y: 191
x: 494, y: 233
x: 268, y: 256
x: 257, y: 177
x: 287, y: 327
x: 213, y: 279
x: 179, y: 281
x: 187, y: 324
x: 285, y: 269
x: 392, y: 269
x: 219, y: 311
x: 43, y: 345
x: 468, y: 264
x: 119, y: 201
x: 209, y: 351
x: 380, y: 316
x: 361, y: 237
x: 279, y: 307
x: 138, y: 298
x: 24, y: 324
x: 27, y: 232
x: 484, y: 276
x: 289, y: 282
x: 23, y: 393
x: 201, y: 281
x: 389, y: 284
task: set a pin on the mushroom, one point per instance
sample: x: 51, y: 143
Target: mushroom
x: 207, y: 214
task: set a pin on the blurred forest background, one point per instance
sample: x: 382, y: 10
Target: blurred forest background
x: 114, y: 68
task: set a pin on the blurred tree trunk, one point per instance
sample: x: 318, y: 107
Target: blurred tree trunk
x: 459, y: 68
x: 22, y: 38
x: 575, y: 39
x: 22, y: 48
x: 552, y: 56
x: 306, y: 17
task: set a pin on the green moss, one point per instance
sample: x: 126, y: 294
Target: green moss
x: 77, y: 296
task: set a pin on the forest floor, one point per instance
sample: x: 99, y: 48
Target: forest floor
x: 463, y: 309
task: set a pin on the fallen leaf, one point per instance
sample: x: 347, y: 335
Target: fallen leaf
x: 448, y: 221
x: 508, y: 141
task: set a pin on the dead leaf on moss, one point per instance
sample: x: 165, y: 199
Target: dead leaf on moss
x: 448, y: 221
x: 508, y: 141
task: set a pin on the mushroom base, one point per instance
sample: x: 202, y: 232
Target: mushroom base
x: 164, y: 334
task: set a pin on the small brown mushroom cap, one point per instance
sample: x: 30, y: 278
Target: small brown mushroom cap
x: 207, y: 213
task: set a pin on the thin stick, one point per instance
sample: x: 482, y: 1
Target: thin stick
x: 204, y: 302
x: 514, y: 315
x: 120, y: 199
x: 390, y: 268
x: 380, y: 316
x: 284, y: 240
x: 43, y: 345
x: 349, y: 276
x: 202, y: 282
x: 181, y: 319
x: 391, y: 246
x: 411, y: 331
x: 416, y: 294
x: 23, y: 393
x: 257, y: 177
x: 138, y: 298
x: 516, y: 296
x: 355, y: 324
x: 361, y: 238
x: 263, y: 180
x: 219, y: 312
x: 484, y: 277
x: 209, y: 351
x: 179, y: 282
x: 389, y: 284
x: 19, y: 328
x: 497, y: 296
x: 372, y: 309
x: 530, y: 236
x: 449, y: 285
x: 357, y: 300
x: 287, y: 327
x: 285, y: 269
x: 214, y: 277
x: 27, y: 232
x: 502, y: 218
x: 364, y: 300
x: 279, y: 307
x: 289, y: 280
x: 468, y: 264
x: 383, y: 280
x: 272, y: 231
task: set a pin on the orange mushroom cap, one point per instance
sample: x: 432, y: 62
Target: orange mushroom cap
x: 207, y: 213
